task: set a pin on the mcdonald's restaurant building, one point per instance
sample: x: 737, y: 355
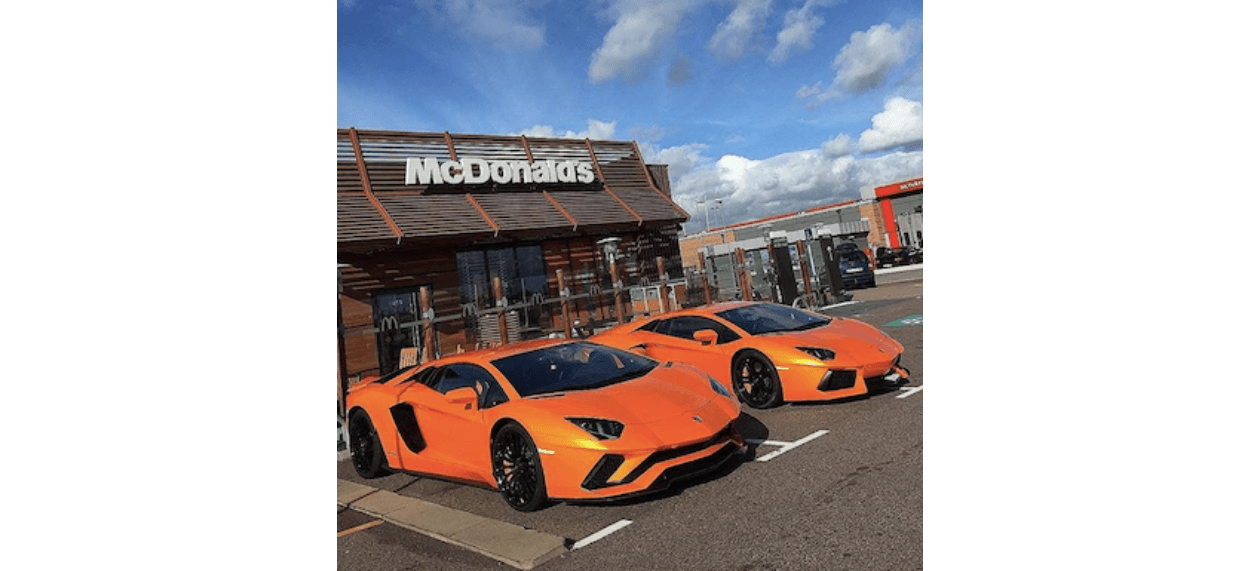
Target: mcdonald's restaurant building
x: 430, y: 220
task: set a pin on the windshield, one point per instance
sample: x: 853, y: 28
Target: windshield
x: 853, y: 256
x: 571, y: 367
x: 770, y: 318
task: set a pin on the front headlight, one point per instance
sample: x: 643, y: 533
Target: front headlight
x: 819, y: 353
x: 718, y: 388
x: 600, y: 428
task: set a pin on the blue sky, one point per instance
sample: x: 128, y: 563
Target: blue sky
x: 770, y: 106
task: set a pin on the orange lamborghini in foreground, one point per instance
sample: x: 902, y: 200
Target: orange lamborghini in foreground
x: 545, y: 419
x: 770, y: 353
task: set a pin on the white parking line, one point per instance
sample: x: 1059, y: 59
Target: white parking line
x: 592, y: 538
x: 770, y: 442
x: 909, y: 391
x: 785, y: 446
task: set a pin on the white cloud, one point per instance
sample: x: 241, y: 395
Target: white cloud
x: 733, y: 36
x: 900, y: 123
x: 682, y: 160
x: 870, y: 55
x: 649, y: 134
x: 644, y: 28
x: 799, y: 26
x: 867, y: 60
x: 790, y: 182
x: 595, y: 130
x: 500, y: 22
x: 839, y: 146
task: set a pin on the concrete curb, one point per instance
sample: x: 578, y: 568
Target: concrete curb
x: 512, y: 544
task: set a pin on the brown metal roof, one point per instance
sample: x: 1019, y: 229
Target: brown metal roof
x: 522, y: 211
x: 593, y: 208
x: 622, y: 195
x: 434, y: 215
x: 358, y: 220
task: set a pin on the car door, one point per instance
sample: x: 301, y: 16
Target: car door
x: 453, y: 435
x: 672, y: 339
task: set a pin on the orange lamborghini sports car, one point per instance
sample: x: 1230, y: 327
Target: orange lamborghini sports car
x: 544, y: 419
x: 769, y: 352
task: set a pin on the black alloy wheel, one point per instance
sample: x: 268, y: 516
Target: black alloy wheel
x: 366, y: 453
x: 517, y: 468
x: 756, y: 381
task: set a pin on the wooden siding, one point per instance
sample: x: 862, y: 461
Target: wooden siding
x: 660, y: 177
x: 593, y: 208
x: 358, y: 220
x: 647, y: 203
x: 522, y: 211
x: 491, y: 148
x: 434, y: 215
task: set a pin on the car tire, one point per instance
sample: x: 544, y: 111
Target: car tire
x: 366, y: 454
x: 517, y: 469
x: 756, y: 381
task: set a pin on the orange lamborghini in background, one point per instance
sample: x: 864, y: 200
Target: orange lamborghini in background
x: 770, y: 353
x: 545, y: 419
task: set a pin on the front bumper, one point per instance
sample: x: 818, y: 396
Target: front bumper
x: 807, y: 383
x: 856, y: 280
x: 639, y: 463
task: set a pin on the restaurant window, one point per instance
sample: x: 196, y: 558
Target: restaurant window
x: 395, y: 315
x: 520, y: 268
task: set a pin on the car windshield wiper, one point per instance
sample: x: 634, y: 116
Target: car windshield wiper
x: 810, y: 325
x: 624, y: 377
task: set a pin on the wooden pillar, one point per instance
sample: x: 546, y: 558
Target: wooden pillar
x: 499, y: 306
x: 802, y: 254
x: 427, y: 352
x: 565, y: 315
x: 666, y: 306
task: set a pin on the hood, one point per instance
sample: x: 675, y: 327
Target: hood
x: 664, y: 393
x: 852, y: 340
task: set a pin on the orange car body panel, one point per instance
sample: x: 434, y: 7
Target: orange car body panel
x: 672, y: 408
x: 858, y: 346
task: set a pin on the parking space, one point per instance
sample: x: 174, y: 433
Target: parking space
x: 825, y: 485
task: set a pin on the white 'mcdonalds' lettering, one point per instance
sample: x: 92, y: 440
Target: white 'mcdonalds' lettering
x: 501, y: 172
x: 450, y: 175
x: 476, y: 170
x: 482, y: 173
x: 423, y: 171
x: 521, y: 172
x: 565, y: 172
x: 545, y: 171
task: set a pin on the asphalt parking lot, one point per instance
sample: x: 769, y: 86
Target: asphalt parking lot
x: 826, y: 486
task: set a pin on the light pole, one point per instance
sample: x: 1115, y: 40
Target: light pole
x: 706, y: 213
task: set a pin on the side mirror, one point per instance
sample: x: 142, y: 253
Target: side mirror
x: 705, y: 336
x: 463, y: 395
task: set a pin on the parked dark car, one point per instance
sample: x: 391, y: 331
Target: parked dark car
x: 889, y: 257
x: 855, y: 267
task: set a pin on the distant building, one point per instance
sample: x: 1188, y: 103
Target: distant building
x: 889, y: 215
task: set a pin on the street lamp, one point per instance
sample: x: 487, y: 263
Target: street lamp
x: 700, y: 203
